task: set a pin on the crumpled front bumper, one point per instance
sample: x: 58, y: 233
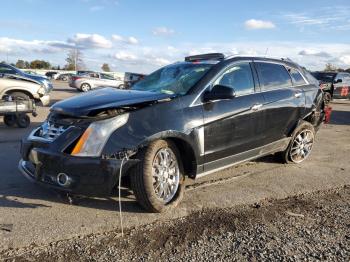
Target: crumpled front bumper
x: 89, y: 176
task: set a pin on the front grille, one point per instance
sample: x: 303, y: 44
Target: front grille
x: 50, y: 131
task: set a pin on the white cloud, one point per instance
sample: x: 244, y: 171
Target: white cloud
x: 312, y: 52
x: 161, y: 61
x: 139, y: 58
x: 90, y: 41
x: 127, y: 40
x: 125, y: 56
x: 345, y: 59
x: 163, y: 31
x: 258, y: 24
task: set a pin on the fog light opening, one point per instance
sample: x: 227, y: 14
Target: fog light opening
x: 63, y: 180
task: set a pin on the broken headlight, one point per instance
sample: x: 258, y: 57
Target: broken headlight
x: 96, y: 135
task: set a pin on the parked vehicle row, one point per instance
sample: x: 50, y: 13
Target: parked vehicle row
x: 334, y: 84
x: 187, y: 119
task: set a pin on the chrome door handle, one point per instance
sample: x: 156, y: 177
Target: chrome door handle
x: 256, y: 107
x: 297, y: 95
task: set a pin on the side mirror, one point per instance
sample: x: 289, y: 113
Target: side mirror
x: 219, y: 92
x: 338, y: 81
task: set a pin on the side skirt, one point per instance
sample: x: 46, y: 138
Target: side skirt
x: 229, y: 161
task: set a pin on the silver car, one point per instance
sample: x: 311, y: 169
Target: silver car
x: 93, y: 80
x: 24, y: 88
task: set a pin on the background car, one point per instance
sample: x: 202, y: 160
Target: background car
x: 93, y: 80
x: 334, y: 84
x: 64, y: 77
x: 20, y: 87
x: 51, y: 74
x: 11, y: 70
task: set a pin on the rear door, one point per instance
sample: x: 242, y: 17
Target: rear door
x: 283, y: 103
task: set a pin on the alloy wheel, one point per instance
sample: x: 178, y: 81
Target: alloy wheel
x: 85, y: 87
x: 302, y: 145
x: 166, y: 174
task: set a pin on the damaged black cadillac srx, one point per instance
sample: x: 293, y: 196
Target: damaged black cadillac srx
x: 187, y: 119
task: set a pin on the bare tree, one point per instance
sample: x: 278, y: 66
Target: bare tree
x: 74, y: 60
x: 330, y: 67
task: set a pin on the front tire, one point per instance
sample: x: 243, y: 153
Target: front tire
x: 19, y: 96
x: 300, y: 145
x: 158, y: 180
x: 85, y: 87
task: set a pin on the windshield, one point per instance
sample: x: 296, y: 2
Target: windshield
x: 324, y: 77
x: 173, y: 79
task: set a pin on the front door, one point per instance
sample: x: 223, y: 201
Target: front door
x: 231, y: 126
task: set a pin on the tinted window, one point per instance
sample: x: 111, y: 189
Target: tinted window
x: 105, y: 76
x: 239, y: 77
x: 296, y: 77
x: 273, y: 76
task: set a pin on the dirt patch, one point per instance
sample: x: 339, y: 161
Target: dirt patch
x: 312, y: 227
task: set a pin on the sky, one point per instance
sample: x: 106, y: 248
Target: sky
x: 141, y: 36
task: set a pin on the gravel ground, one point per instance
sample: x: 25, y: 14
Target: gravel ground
x: 307, y: 227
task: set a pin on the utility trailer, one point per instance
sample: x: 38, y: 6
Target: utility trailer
x: 15, y: 111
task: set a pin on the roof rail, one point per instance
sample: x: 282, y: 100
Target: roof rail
x: 210, y: 56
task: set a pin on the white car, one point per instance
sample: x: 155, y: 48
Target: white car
x: 93, y: 80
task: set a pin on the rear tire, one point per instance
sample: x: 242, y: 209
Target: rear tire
x: 157, y: 187
x: 300, y: 145
x: 10, y: 120
x: 23, y: 121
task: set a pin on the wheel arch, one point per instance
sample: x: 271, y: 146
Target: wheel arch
x: 187, y: 150
x: 28, y: 93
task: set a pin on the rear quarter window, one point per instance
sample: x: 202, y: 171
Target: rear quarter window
x: 297, y: 78
x: 273, y: 76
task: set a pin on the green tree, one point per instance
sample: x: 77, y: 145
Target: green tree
x: 74, y: 60
x: 21, y: 64
x: 40, y: 64
x: 105, y: 67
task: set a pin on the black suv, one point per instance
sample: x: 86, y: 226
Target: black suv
x: 334, y: 84
x: 187, y: 119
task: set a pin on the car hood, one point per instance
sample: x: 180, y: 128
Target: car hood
x: 104, y: 99
x: 35, y: 77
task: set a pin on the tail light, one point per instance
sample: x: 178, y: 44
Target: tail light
x: 74, y: 78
